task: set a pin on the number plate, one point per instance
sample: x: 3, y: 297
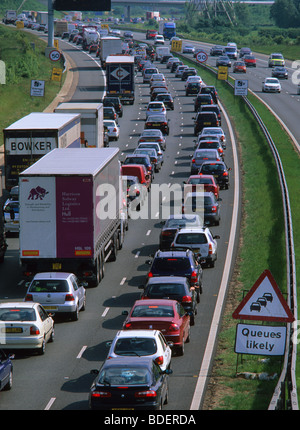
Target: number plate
x: 56, y: 266
x: 50, y: 308
x: 12, y: 330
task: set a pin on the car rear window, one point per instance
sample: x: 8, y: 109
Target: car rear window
x: 153, y: 311
x: 17, y: 314
x: 212, y: 168
x: 49, y: 286
x: 124, y: 375
x: 171, y: 265
x: 135, y: 346
x: 191, y: 238
x: 165, y: 290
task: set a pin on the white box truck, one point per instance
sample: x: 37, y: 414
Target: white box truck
x: 91, y: 122
x: 70, y: 213
x: 109, y: 46
x: 31, y: 137
x: 160, y: 51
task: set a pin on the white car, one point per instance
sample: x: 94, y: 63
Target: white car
x: 25, y: 326
x: 11, y: 216
x: 271, y: 85
x: 113, y: 130
x: 157, y: 77
x: 159, y: 40
x: 190, y: 79
x: 150, y: 343
x: 188, y: 49
x: 180, y: 70
x: 214, y: 131
x: 58, y: 292
x: 200, y: 240
x: 156, y: 107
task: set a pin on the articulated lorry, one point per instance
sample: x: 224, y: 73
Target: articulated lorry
x: 167, y: 29
x: 109, y: 46
x: 70, y: 213
x: 10, y: 17
x: 91, y: 114
x: 120, y: 77
x: 31, y: 137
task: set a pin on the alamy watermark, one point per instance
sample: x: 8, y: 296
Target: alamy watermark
x: 2, y: 73
x: 296, y: 73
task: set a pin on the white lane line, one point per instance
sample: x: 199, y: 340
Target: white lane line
x: 105, y: 312
x: 215, y: 324
x: 137, y: 254
x: 50, y: 403
x: 123, y: 281
x: 81, y: 351
x: 148, y: 232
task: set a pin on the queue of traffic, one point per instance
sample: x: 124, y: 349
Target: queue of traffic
x: 135, y: 373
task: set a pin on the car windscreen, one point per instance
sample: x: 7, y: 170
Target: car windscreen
x: 49, y: 286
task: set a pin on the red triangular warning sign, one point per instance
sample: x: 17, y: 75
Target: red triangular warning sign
x: 264, y: 302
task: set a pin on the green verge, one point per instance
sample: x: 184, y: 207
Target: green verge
x: 262, y: 246
x: 24, y: 57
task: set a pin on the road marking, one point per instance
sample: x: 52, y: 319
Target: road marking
x: 105, y: 312
x: 148, y: 232
x: 81, y: 351
x: 137, y: 254
x: 123, y: 281
x: 50, y: 403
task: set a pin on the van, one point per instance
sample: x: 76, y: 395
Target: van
x: 139, y: 171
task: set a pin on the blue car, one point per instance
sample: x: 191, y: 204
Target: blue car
x: 6, y: 371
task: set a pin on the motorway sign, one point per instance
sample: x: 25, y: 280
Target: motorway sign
x: 176, y: 45
x: 201, y: 56
x: 241, y: 87
x: 264, y: 302
x: 260, y: 339
x: 37, y: 88
x: 54, y: 55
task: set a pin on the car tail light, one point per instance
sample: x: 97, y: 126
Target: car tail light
x: 142, y: 140
x: 154, y: 160
x: 28, y: 298
x: 159, y: 360
x: 115, y: 130
x: 69, y: 298
x: 210, y: 250
x: 174, y: 327
x: 193, y: 277
x: 166, y: 233
x: 34, y: 330
x: 150, y: 275
x: 144, y: 298
x: 186, y: 299
x: 193, y: 160
x: 225, y: 173
x: 160, y: 140
x: 100, y: 394
x: 145, y: 394
x: 214, y: 209
x: 127, y: 325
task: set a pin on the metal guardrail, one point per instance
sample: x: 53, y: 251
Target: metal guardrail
x: 285, y: 394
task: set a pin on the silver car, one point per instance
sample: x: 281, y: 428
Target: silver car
x: 201, y: 241
x: 58, y: 292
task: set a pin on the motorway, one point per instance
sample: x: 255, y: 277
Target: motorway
x: 61, y: 378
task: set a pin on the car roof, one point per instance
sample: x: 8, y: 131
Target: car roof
x: 163, y: 279
x: 137, y: 333
x: 53, y: 275
x: 18, y: 305
x: 140, y: 361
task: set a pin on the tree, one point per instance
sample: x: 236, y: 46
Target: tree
x: 285, y: 13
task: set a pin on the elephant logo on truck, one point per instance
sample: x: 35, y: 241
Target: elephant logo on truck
x: 37, y: 193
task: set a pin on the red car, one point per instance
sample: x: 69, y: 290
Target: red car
x: 165, y: 315
x: 208, y: 182
x: 239, y: 67
x: 249, y: 60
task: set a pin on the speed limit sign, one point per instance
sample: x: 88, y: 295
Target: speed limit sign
x: 54, y: 55
x: 201, y: 56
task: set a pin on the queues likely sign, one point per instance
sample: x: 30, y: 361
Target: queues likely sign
x: 260, y: 339
x: 264, y: 302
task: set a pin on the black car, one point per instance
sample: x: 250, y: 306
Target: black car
x: 177, y: 263
x: 175, y: 65
x: 140, y: 159
x: 128, y: 34
x: 167, y: 99
x: 114, y: 102
x: 158, y: 121
x: 205, y: 119
x: 172, y: 225
x: 129, y: 383
x: 216, y: 50
x: 280, y: 72
x: 165, y: 58
x: 174, y: 288
x: 192, y: 88
x: 212, y: 108
x: 156, y: 91
x: 190, y: 71
x: 202, y: 99
x: 210, y: 89
x: 223, y: 60
x: 219, y: 170
x: 110, y: 113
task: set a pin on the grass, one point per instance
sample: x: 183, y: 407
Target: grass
x: 262, y: 246
x: 23, y: 62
